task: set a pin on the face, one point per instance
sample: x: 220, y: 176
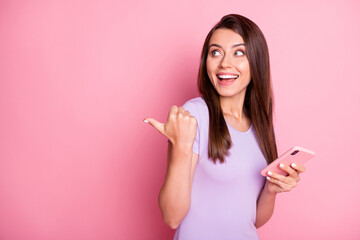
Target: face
x: 227, y: 65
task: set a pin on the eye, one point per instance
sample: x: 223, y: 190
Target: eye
x: 215, y: 53
x: 239, y: 53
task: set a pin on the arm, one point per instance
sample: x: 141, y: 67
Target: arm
x: 175, y: 194
x: 174, y: 197
x: 276, y: 183
x: 265, y: 206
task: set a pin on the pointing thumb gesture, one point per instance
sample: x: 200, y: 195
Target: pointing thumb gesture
x: 157, y: 125
x: 180, y: 127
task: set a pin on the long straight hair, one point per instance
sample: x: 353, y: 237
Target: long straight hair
x: 258, y: 103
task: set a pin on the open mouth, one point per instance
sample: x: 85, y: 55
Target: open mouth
x: 227, y: 77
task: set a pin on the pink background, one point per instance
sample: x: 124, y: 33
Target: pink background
x: 78, y: 77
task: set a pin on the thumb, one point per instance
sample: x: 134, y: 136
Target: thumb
x: 157, y: 125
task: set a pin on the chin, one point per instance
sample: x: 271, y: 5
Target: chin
x: 223, y: 93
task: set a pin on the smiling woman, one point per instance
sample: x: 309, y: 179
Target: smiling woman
x: 227, y: 64
x: 219, y: 143
x: 237, y: 34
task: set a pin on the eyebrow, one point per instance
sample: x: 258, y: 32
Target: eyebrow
x: 233, y: 46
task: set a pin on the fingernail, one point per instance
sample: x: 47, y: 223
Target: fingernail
x: 146, y: 121
x: 269, y: 173
x: 293, y: 165
x: 268, y: 178
x: 281, y: 165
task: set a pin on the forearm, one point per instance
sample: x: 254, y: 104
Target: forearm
x: 174, y: 197
x: 265, y: 207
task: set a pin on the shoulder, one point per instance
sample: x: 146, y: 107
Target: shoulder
x: 198, y: 109
x: 196, y: 105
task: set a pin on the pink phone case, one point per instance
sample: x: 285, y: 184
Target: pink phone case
x: 294, y: 155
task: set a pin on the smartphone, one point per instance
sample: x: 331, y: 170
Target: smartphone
x: 294, y: 155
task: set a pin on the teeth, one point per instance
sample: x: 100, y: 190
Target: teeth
x: 227, y: 76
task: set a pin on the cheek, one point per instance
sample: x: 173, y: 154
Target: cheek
x: 211, y: 64
x: 209, y: 68
x: 243, y: 68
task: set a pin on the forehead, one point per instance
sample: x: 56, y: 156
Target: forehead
x: 224, y: 36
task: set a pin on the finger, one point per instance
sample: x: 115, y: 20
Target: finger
x: 157, y: 125
x: 276, y: 176
x: 283, y: 186
x: 181, y: 113
x: 181, y: 109
x: 174, y: 109
x: 290, y: 180
x: 289, y: 170
x: 298, y: 167
x: 173, y: 112
x: 193, y: 119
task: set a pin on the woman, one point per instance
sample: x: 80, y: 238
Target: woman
x: 219, y: 143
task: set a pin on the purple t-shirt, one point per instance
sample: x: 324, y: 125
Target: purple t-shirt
x: 223, y: 197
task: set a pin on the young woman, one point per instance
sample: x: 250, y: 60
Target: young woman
x: 219, y: 142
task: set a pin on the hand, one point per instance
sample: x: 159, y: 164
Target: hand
x: 278, y: 183
x: 180, y: 127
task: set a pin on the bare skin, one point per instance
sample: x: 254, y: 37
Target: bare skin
x: 174, y: 197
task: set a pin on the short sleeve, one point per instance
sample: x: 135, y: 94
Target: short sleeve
x: 191, y: 107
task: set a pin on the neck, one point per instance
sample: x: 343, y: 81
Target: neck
x: 234, y: 106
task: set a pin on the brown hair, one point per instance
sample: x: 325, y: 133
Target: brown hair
x: 258, y: 98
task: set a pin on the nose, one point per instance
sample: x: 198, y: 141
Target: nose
x: 226, y: 61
